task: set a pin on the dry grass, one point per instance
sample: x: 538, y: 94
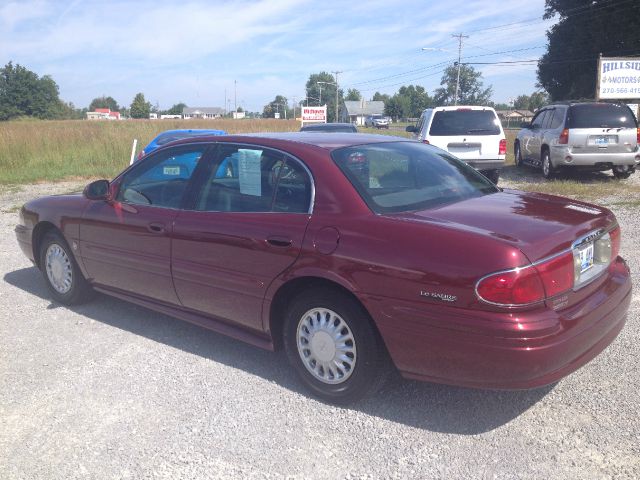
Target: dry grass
x: 55, y: 150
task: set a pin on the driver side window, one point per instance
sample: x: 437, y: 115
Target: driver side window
x: 161, y: 179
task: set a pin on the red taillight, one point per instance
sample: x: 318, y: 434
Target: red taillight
x: 518, y: 287
x: 502, y: 148
x: 557, y: 274
x: 638, y: 136
x: 564, y: 137
x: 524, y: 286
x: 615, y: 242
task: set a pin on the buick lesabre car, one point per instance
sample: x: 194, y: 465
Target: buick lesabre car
x: 354, y: 253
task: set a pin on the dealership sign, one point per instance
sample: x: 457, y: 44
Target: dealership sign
x: 619, y: 78
x: 314, y: 114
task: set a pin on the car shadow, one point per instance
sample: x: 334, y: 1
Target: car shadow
x: 534, y: 175
x: 429, y: 406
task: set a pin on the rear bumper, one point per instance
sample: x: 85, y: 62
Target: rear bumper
x: 480, y: 349
x: 491, y: 164
x: 566, y: 156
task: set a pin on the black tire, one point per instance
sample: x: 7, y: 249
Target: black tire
x: 517, y: 153
x: 74, y: 288
x: 493, y: 175
x: 548, y: 170
x: 622, y: 171
x: 370, y: 362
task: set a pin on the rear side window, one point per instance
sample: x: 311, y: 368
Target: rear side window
x: 404, y: 176
x: 464, y: 122
x: 558, y: 118
x: 600, y: 115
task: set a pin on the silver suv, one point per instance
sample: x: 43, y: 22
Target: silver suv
x: 590, y: 135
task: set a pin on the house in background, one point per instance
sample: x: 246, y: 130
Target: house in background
x: 513, y: 118
x: 103, y: 114
x: 356, y: 111
x: 202, y: 112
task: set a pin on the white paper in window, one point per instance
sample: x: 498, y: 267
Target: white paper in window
x: 249, y: 172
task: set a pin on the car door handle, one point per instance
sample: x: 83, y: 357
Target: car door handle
x: 279, y: 241
x: 156, y: 227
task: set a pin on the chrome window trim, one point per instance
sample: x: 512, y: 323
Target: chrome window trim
x: 593, y: 235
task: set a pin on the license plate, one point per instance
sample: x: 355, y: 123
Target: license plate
x: 602, y: 141
x: 586, y: 257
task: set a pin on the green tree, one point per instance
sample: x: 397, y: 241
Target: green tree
x: 531, y: 102
x: 23, y: 93
x: 277, y: 105
x: 380, y: 97
x: 471, y: 91
x: 418, y: 97
x: 353, y: 95
x: 324, y: 93
x: 104, y: 102
x: 176, y: 109
x: 398, y: 106
x: 586, y: 28
x: 140, y: 108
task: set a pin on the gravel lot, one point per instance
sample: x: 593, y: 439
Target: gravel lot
x: 111, y: 390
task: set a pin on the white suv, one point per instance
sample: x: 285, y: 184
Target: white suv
x: 377, y: 121
x: 471, y: 133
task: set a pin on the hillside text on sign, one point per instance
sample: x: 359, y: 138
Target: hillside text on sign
x: 619, y: 78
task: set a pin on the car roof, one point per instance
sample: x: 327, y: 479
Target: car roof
x: 328, y: 141
x: 462, y: 107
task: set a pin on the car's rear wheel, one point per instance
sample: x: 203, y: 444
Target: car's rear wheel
x: 622, y: 171
x: 548, y: 170
x: 332, y: 344
x: 517, y: 153
x: 61, y: 272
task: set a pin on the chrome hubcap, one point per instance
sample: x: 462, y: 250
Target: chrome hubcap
x: 59, y: 270
x: 326, y: 345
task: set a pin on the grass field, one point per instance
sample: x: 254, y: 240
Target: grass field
x: 32, y: 151
x: 39, y: 151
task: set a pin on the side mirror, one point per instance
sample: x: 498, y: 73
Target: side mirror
x: 411, y: 128
x: 98, y: 190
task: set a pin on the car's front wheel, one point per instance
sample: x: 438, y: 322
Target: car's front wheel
x: 332, y: 344
x: 493, y: 175
x: 61, y: 272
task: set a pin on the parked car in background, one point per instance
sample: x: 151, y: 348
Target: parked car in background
x: 330, y: 127
x: 349, y: 250
x: 585, y: 135
x: 376, y: 121
x: 173, y: 135
x: 472, y: 133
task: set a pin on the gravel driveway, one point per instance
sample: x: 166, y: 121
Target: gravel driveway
x: 111, y: 390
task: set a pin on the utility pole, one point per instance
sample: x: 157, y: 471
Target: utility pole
x: 337, y: 106
x: 235, y: 95
x: 459, y: 36
x: 320, y: 89
x: 225, y: 101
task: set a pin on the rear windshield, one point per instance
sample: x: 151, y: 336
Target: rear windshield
x: 405, y: 176
x: 334, y: 129
x: 600, y: 115
x: 464, y: 122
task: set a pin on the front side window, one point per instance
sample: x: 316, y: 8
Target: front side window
x: 161, y: 179
x: 253, y: 179
x: 539, y: 119
x: 405, y: 176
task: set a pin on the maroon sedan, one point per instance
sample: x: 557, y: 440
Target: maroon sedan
x: 354, y: 252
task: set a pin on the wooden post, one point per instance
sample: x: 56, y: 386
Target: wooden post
x: 598, y: 77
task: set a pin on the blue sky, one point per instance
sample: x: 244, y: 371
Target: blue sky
x: 191, y: 51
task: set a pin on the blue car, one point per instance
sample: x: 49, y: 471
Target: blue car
x: 172, y: 136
